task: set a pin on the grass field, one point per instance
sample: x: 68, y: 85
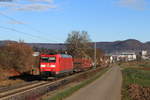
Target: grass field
x: 136, y: 81
x: 136, y: 76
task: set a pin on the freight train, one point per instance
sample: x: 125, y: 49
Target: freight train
x: 58, y: 64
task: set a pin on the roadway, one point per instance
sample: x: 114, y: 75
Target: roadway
x: 107, y: 87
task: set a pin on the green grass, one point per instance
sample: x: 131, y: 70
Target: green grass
x: 134, y: 76
x: 135, y: 64
x: 71, y: 90
x: 145, y: 65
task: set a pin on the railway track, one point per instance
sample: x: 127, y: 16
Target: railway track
x: 19, y: 85
x: 33, y: 91
x: 19, y: 89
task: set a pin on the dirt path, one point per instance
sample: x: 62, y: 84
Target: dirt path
x: 107, y: 87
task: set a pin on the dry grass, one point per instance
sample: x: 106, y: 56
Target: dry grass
x: 4, y: 78
x: 10, y: 82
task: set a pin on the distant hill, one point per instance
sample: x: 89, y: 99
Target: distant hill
x: 123, y: 46
x: 108, y: 47
x: 5, y: 42
x: 49, y: 45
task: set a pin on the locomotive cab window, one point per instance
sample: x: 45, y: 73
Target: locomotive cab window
x: 52, y: 59
x: 48, y: 59
x: 44, y: 59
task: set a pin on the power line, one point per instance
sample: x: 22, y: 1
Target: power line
x: 11, y: 29
x: 25, y: 25
x: 28, y: 34
x: 11, y: 18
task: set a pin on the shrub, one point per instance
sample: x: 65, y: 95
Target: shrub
x: 16, y: 55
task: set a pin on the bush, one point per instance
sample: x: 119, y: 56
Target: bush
x: 16, y: 55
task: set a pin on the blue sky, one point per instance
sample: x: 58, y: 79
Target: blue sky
x: 52, y: 20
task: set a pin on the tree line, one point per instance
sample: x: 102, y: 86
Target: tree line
x: 18, y: 55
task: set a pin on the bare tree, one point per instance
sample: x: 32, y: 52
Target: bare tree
x: 78, y: 43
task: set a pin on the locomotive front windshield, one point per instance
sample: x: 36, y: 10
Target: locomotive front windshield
x: 48, y: 59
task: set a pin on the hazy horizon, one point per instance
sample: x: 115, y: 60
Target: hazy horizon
x: 64, y: 42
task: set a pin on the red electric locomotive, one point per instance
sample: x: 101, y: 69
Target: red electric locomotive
x: 52, y: 65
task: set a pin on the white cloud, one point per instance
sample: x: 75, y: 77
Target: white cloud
x: 16, y: 22
x: 7, y: 4
x: 136, y: 4
x: 30, y: 5
x: 50, y: 1
x: 35, y: 7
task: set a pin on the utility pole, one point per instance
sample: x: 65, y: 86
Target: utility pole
x: 95, y: 54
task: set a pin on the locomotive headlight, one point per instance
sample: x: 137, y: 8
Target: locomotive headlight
x: 53, y: 65
x: 43, y: 65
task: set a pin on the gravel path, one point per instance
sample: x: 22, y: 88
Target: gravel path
x: 107, y: 87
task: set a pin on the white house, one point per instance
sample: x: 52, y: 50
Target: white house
x: 128, y: 56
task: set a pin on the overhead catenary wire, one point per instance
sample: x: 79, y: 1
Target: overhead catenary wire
x: 25, y: 25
